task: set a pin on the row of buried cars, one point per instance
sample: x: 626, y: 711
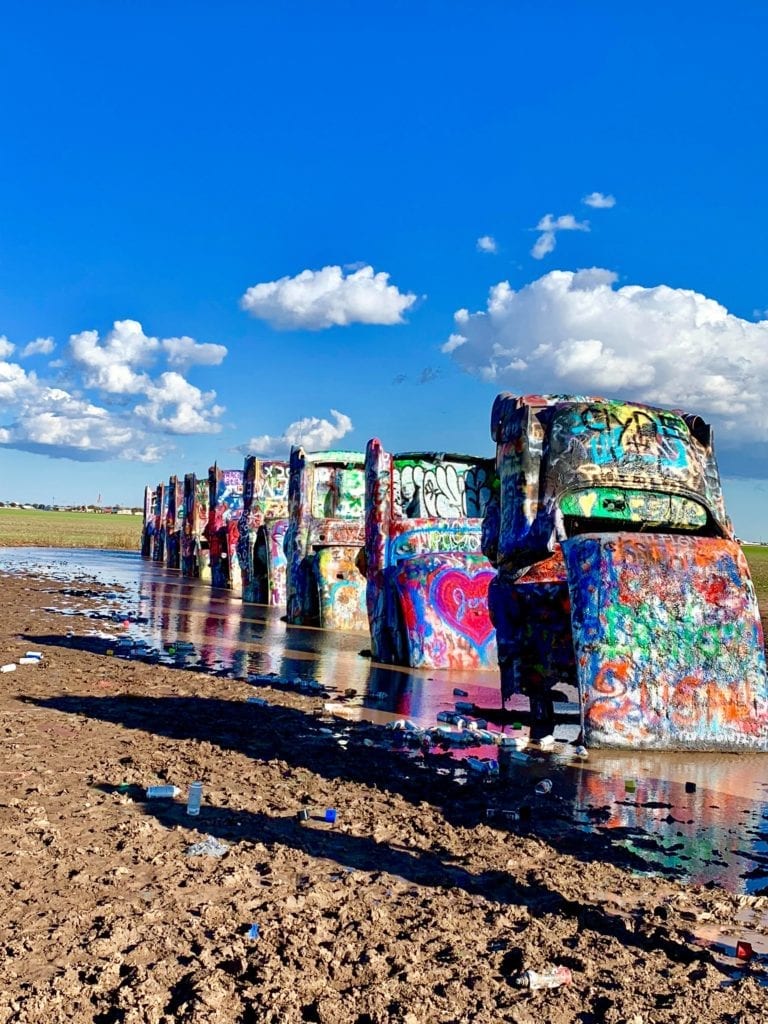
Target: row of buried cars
x: 594, y: 550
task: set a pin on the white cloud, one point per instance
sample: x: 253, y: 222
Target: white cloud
x: 576, y: 332
x: 6, y: 348
x: 313, y: 433
x: 15, y: 382
x: 185, y: 352
x: 549, y: 226
x: 599, y: 201
x: 178, y: 407
x: 38, y: 347
x: 137, y: 412
x: 315, y: 299
x: 54, y: 422
x: 487, y: 243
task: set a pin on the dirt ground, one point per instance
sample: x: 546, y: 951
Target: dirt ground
x: 413, y: 907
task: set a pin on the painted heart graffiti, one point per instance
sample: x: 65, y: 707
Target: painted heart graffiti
x: 461, y: 600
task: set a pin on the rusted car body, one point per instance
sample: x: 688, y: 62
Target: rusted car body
x: 262, y: 528
x: 618, y: 570
x: 326, y: 532
x: 427, y: 579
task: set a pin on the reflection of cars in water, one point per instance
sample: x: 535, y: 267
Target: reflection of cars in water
x: 195, y: 560
x: 427, y: 578
x: 618, y: 570
x: 262, y: 527
x: 225, y: 504
x: 325, y: 533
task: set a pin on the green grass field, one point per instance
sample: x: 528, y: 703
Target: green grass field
x: 21, y: 527
x: 757, y: 557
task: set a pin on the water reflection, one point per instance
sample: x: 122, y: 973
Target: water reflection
x: 702, y: 816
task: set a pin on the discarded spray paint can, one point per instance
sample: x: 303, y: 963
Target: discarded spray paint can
x: 464, y: 705
x: 459, y: 693
x: 554, y: 978
x: 7, y: 668
x: 194, y: 797
x: 545, y: 786
x: 29, y: 661
x: 162, y: 792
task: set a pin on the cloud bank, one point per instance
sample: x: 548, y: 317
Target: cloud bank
x: 316, y: 299
x: 106, y: 402
x: 313, y: 433
x: 576, y: 332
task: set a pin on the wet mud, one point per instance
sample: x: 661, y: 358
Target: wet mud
x: 436, y: 882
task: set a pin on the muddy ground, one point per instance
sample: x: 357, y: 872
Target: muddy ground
x: 413, y: 907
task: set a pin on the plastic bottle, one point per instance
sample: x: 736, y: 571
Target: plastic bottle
x: 545, y: 786
x: 194, y: 797
x: 160, y: 792
x: 556, y: 977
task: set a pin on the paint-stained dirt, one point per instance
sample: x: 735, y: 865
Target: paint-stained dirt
x: 412, y: 908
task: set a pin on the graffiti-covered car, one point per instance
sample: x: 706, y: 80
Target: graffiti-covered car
x: 263, y: 525
x: 173, y: 523
x: 225, y: 505
x: 618, y: 570
x: 427, y: 579
x: 326, y: 532
x: 195, y: 556
x: 159, y: 513
x: 147, y: 526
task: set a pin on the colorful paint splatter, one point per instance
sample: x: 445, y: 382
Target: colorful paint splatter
x: 652, y: 610
x: 262, y: 527
x: 325, y: 535
x: 427, y: 582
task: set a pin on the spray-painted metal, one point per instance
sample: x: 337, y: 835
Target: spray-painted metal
x: 159, y: 512
x: 225, y: 505
x: 174, y: 521
x: 427, y: 579
x: 147, y: 524
x: 326, y: 533
x: 618, y: 570
x: 195, y: 555
x: 262, y: 529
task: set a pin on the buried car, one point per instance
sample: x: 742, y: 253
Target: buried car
x: 159, y: 513
x: 225, y: 504
x: 618, y: 570
x: 427, y: 579
x: 263, y: 524
x: 326, y: 532
x: 174, y: 519
x: 195, y: 557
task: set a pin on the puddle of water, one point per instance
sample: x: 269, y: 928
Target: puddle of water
x: 699, y: 816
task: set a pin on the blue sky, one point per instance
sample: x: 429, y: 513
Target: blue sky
x: 158, y: 161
